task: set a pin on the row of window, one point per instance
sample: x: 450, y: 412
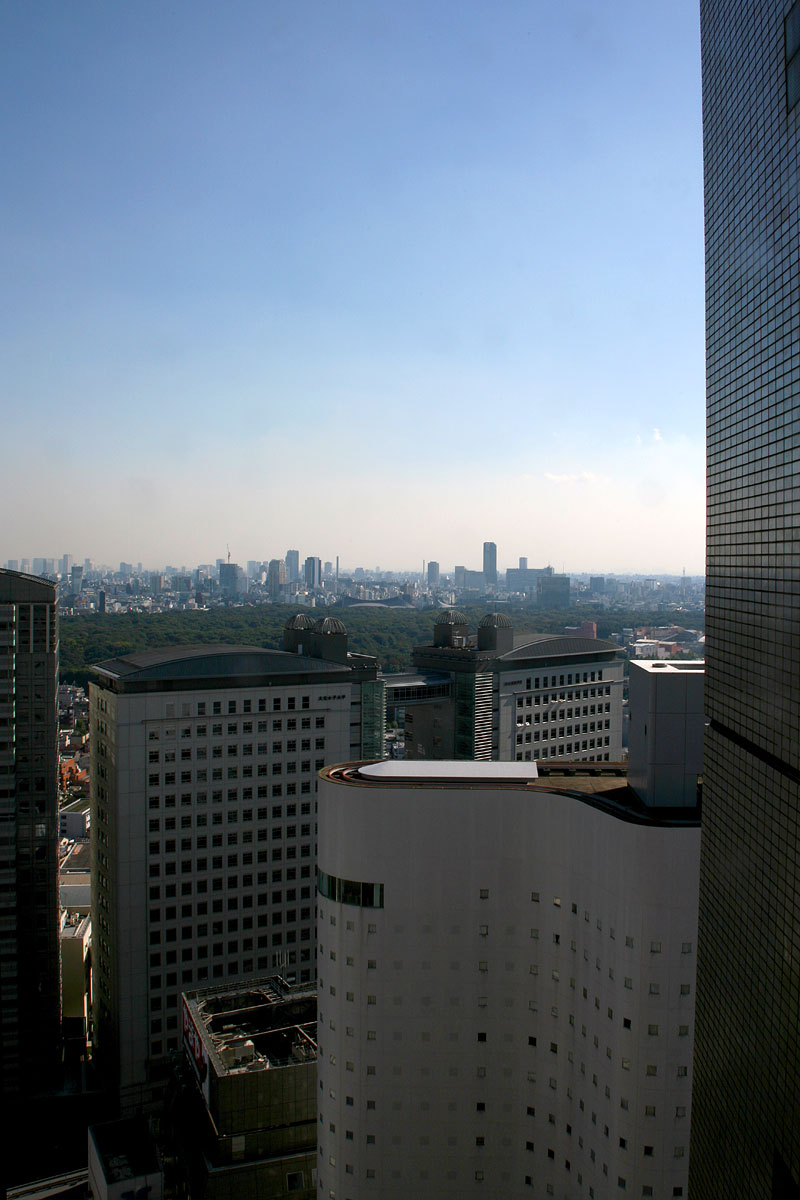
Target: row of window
x: 535, y: 682
x: 154, y: 780
x: 233, y: 795
x: 234, y: 749
x: 564, y: 697
x: 215, y: 707
x: 567, y: 749
x: 232, y: 728
x: 200, y: 820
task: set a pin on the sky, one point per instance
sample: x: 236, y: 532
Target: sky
x: 377, y: 280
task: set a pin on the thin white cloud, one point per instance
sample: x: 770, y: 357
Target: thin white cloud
x: 577, y: 477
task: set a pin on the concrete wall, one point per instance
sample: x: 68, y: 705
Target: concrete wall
x: 667, y: 728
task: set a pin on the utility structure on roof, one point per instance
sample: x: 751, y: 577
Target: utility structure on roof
x: 498, y: 695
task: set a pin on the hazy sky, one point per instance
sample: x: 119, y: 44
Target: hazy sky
x: 382, y: 280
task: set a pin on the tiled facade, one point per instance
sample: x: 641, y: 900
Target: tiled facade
x: 746, y: 1126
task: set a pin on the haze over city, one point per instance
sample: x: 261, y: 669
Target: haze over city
x: 382, y: 282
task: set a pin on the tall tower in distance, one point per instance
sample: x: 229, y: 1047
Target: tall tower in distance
x: 746, y: 1115
x: 489, y: 564
x: 30, y: 1000
x: 292, y: 561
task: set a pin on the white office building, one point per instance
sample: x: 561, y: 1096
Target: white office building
x: 204, y: 776
x: 506, y: 970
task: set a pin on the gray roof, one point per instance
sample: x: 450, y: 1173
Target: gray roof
x: 451, y: 616
x: 76, y: 895
x: 19, y: 588
x: 211, y: 662
x: 300, y: 621
x: 546, y: 645
x: 495, y: 621
x: 330, y: 625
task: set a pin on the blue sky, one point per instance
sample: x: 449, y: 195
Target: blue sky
x: 378, y: 280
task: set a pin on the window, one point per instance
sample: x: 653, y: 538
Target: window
x: 648, y: 1151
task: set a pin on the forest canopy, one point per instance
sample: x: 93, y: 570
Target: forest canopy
x: 387, y: 633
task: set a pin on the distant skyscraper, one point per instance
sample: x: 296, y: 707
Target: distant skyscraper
x: 30, y: 1016
x: 746, y: 1126
x: 232, y: 580
x: 292, y: 566
x: 66, y: 565
x: 433, y: 574
x: 523, y: 563
x: 276, y: 577
x: 490, y: 563
x: 313, y: 573
x: 76, y: 580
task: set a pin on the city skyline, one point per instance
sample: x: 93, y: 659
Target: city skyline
x: 26, y: 564
x: 275, y: 260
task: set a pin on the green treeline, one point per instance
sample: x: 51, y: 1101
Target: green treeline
x: 387, y: 633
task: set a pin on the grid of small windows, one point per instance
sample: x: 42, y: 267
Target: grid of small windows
x: 566, y: 715
x: 746, y: 1142
x: 231, y: 846
x: 577, y: 1052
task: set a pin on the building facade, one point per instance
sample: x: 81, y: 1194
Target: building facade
x: 204, y: 764
x: 523, y: 698
x: 506, y: 984
x: 746, y: 1134
x: 30, y: 1002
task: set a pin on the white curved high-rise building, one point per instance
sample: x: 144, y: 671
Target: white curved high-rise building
x: 506, y: 973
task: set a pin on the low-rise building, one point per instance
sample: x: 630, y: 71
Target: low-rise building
x: 247, y: 1128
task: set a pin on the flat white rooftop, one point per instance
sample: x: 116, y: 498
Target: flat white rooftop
x: 400, y: 769
x: 674, y: 667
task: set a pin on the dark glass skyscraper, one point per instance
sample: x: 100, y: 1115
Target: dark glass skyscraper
x: 746, y: 1104
x: 30, y: 998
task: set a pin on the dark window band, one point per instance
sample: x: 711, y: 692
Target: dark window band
x: 350, y: 891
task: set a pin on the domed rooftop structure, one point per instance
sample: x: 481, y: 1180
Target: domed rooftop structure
x: 451, y: 616
x: 330, y: 625
x: 494, y: 621
x: 300, y: 621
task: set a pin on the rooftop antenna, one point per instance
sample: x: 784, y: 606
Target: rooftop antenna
x: 229, y: 552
